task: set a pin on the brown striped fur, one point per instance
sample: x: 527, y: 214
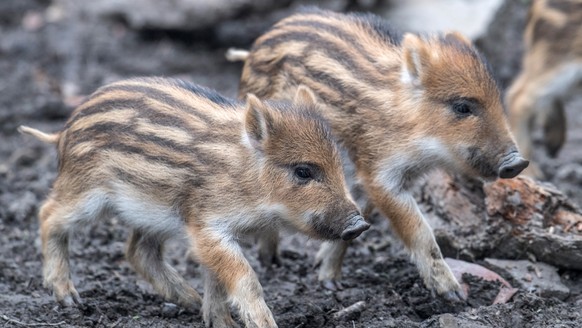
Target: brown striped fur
x: 551, y: 72
x: 170, y: 158
x: 400, y: 104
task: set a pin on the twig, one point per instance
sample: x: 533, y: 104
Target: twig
x: 31, y: 324
x: 116, y: 323
x: 357, y: 307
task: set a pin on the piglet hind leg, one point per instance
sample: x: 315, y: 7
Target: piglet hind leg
x: 522, y: 117
x: 146, y: 253
x: 331, y: 254
x: 223, y: 258
x: 268, y: 245
x: 329, y: 259
x: 555, y: 126
x: 54, y: 232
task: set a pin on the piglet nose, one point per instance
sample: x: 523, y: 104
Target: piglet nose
x: 512, y: 167
x: 354, y: 227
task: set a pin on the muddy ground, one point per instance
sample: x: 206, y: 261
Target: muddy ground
x: 48, y: 63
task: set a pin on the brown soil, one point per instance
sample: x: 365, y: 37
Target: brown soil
x: 41, y: 64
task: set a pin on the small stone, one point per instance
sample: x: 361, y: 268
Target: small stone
x: 32, y: 21
x: 546, y: 282
x: 570, y: 172
x: 170, y: 310
x: 448, y: 321
x: 528, y: 277
x: 3, y: 169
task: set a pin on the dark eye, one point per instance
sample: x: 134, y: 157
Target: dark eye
x: 303, y: 173
x: 462, y: 108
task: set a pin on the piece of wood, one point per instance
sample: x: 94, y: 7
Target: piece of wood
x: 514, y: 219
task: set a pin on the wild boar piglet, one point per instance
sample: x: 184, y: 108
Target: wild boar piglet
x: 169, y: 158
x: 401, y: 104
x: 551, y: 73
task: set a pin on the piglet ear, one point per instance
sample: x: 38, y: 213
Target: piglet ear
x: 304, y: 96
x: 416, y: 57
x: 458, y: 37
x: 256, y: 121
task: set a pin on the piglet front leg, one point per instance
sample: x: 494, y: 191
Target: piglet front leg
x: 215, y: 308
x: 409, y: 224
x: 230, y: 273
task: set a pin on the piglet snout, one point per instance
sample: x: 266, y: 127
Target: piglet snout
x: 354, y: 227
x: 512, y: 165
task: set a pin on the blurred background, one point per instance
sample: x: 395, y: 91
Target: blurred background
x: 54, y: 52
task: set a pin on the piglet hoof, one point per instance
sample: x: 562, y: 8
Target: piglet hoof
x: 454, y: 293
x: 219, y: 323
x: 269, y: 260
x: 195, y: 307
x: 71, y: 300
x: 442, y: 281
x: 454, y: 296
x: 332, y: 285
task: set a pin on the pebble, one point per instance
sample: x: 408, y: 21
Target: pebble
x: 170, y: 310
x: 545, y: 281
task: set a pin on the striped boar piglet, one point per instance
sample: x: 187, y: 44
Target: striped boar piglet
x: 401, y: 104
x: 551, y: 73
x: 169, y: 158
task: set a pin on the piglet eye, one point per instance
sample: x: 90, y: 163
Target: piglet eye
x: 303, y: 173
x: 462, y: 108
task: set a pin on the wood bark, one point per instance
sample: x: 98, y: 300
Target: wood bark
x: 513, y: 219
